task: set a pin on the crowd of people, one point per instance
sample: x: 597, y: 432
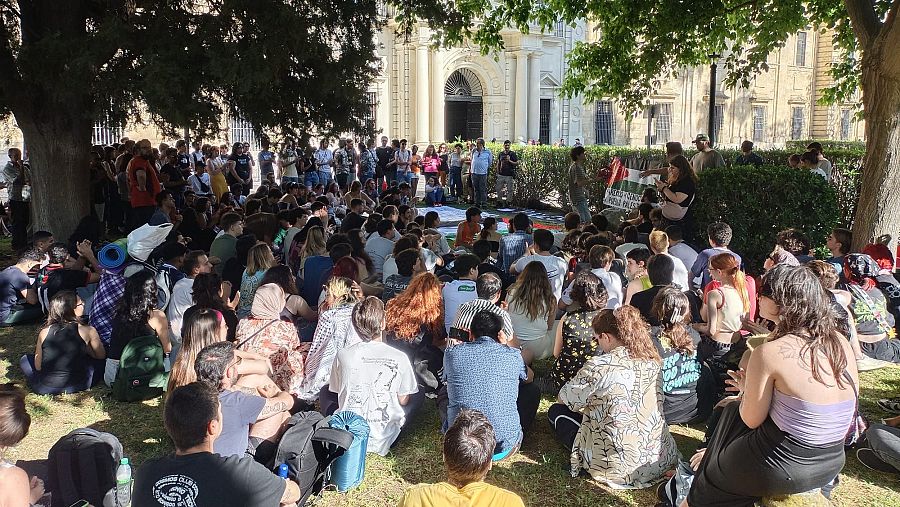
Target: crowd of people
x: 324, y: 289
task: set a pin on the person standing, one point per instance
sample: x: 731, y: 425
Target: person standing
x: 16, y: 179
x: 343, y: 158
x: 266, y: 159
x: 578, y: 182
x: 368, y: 161
x: 403, y: 163
x: 482, y: 158
x: 455, y: 161
x: 384, y: 154
x: 287, y: 164
x: 706, y: 157
x: 507, y: 163
x: 143, y: 183
x: 747, y: 156
x: 324, y: 160
x: 239, y: 168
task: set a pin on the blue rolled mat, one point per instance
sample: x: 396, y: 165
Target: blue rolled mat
x: 112, y: 256
x: 348, y: 470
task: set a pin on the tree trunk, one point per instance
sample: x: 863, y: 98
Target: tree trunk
x: 58, y: 151
x: 878, y: 210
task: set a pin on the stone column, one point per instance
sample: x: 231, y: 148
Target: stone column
x: 534, y: 95
x: 422, y: 95
x: 521, y: 99
x: 437, y: 100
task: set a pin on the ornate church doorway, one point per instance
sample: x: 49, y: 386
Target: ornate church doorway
x: 463, y: 108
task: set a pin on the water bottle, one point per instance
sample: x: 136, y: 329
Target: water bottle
x: 283, y: 471
x: 123, y: 483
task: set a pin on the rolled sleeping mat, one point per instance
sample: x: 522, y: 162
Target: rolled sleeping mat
x: 348, y: 470
x: 112, y: 255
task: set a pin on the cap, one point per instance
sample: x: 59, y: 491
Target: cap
x: 701, y: 137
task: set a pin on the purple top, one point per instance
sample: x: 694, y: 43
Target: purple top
x: 812, y: 423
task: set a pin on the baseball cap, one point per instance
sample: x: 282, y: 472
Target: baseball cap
x: 701, y: 137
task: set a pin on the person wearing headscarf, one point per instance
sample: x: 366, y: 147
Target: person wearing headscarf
x: 264, y: 333
x: 779, y: 257
x: 874, y: 324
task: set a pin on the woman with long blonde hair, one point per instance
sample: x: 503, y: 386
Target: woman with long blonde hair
x: 532, y: 310
x: 215, y: 166
x: 613, y: 402
x: 313, y: 246
x: 259, y: 259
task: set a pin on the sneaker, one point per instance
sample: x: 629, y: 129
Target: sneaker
x: 891, y: 405
x: 869, y: 364
x: 871, y: 460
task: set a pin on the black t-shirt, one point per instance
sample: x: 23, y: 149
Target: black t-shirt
x: 241, y: 165
x: 184, y: 165
x: 890, y: 287
x: 384, y: 154
x: 685, y: 186
x: 122, y: 335
x: 175, y: 175
x: 52, y: 280
x: 506, y: 166
x: 352, y: 221
x: 204, y: 478
x: 643, y: 301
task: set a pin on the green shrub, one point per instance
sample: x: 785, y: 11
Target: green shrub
x: 759, y: 202
x: 543, y: 169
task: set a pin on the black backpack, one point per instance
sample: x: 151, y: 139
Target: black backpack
x: 82, y: 466
x: 309, y: 447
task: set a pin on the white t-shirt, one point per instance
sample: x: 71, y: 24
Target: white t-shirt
x: 456, y: 293
x: 611, y: 282
x: 680, y: 275
x: 556, y: 270
x: 182, y: 299
x: 623, y: 249
x: 368, y: 377
x: 378, y: 249
x: 429, y: 258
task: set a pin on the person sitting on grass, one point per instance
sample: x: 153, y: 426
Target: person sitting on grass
x: 409, y: 263
x: 197, y: 475
x: 467, y: 448
x: 251, y: 415
x: 373, y: 379
x: 636, y: 272
x: 69, y: 355
x: 608, y: 415
x: 719, y: 236
x: 434, y: 193
x: 14, y: 282
x: 467, y: 230
x: 15, y: 487
x: 488, y: 375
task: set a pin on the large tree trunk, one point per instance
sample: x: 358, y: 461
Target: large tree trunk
x: 878, y: 210
x: 58, y: 151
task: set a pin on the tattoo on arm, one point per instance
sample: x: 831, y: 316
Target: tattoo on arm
x: 273, y: 408
x: 247, y: 390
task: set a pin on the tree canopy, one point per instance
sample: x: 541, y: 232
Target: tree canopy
x: 295, y: 67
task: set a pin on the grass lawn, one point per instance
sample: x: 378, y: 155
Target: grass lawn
x: 538, y: 473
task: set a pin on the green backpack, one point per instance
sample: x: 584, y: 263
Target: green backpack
x: 142, y: 374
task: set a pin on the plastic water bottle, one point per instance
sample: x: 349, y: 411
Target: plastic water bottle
x: 283, y: 471
x: 123, y: 483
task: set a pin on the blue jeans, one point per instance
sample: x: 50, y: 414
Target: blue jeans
x: 479, y: 183
x: 325, y: 177
x: 455, y: 182
x: 584, y: 213
x: 404, y: 176
x: 435, y: 196
x: 311, y: 179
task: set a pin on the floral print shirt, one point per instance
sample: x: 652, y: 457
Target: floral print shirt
x: 623, y: 440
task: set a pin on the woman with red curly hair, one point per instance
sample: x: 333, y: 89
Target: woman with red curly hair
x: 415, y: 324
x: 608, y: 415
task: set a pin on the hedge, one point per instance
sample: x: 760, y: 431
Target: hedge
x: 759, y: 202
x: 542, y: 172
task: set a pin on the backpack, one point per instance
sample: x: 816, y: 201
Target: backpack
x: 164, y: 283
x: 308, y: 447
x: 141, y: 374
x: 82, y: 466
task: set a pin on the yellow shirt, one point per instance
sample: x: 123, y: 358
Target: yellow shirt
x: 476, y: 494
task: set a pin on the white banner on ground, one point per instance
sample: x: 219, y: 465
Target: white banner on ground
x: 625, y: 187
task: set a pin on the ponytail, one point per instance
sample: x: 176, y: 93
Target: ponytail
x: 739, y: 280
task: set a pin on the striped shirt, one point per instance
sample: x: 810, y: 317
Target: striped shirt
x: 463, y: 320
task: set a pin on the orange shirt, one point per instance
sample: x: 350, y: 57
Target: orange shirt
x: 148, y: 196
x: 465, y: 233
x: 415, y: 164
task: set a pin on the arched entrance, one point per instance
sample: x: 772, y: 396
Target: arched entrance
x: 463, y: 109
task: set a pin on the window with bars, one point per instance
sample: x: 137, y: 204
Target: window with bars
x: 544, y: 121
x: 560, y: 29
x: 759, y: 123
x: 800, y: 54
x: 105, y: 133
x: 663, y: 130
x: 846, y: 119
x: 604, y: 122
x: 719, y: 121
x: 797, y: 120
x: 242, y: 132
x: 371, y: 112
